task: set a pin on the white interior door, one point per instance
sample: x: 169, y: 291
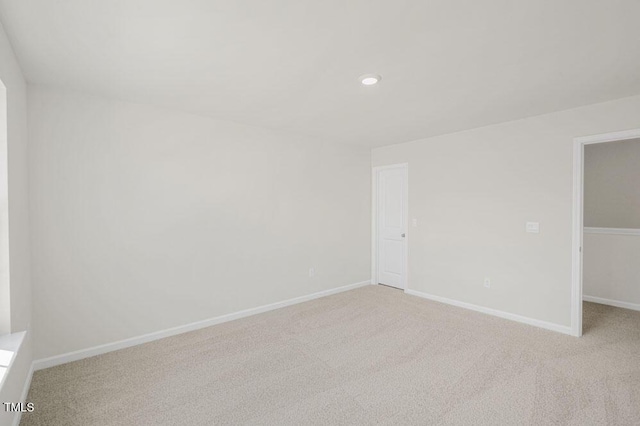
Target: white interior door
x: 392, y: 226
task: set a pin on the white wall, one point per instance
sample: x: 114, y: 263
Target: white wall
x: 472, y: 193
x: 145, y: 218
x: 612, y: 184
x: 611, y: 268
x: 18, y: 273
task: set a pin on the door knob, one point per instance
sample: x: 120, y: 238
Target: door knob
x: 402, y: 235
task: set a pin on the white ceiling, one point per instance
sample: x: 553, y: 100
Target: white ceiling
x: 447, y: 65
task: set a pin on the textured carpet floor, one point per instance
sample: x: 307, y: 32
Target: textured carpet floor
x: 368, y: 356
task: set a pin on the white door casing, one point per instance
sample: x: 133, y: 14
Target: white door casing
x: 578, y: 217
x: 392, y: 225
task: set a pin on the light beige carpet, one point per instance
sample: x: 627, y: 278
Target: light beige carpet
x: 368, y: 356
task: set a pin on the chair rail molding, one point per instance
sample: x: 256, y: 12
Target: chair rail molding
x: 612, y: 231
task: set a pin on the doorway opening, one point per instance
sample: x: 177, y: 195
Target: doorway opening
x: 579, y: 230
x: 389, y: 225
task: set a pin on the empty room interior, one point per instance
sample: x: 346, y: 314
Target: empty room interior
x: 319, y: 212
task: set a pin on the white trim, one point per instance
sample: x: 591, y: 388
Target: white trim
x: 611, y: 302
x: 374, y: 221
x: 609, y: 137
x: 138, y: 340
x: 576, y: 240
x: 578, y: 217
x: 374, y: 224
x: 494, y: 312
x: 407, y: 233
x: 612, y: 231
x: 11, y: 342
x: 25, y: 393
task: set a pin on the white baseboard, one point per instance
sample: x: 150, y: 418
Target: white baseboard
x: 506, y: 315
x: 610, y: 302
x: 25, y: 393
x: 133, y: 341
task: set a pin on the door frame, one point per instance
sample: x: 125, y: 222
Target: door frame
x: 375, y: 176
x: 578, y: 216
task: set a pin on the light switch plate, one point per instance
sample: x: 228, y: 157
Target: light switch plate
x: 414, y: 222
x: 533, y: 227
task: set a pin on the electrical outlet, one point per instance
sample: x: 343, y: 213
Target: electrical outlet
x: 312, y: 272
x: 533, y: 227
x: 487, y: 282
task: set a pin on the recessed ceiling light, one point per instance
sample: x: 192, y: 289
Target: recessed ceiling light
x: 370, y: 79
